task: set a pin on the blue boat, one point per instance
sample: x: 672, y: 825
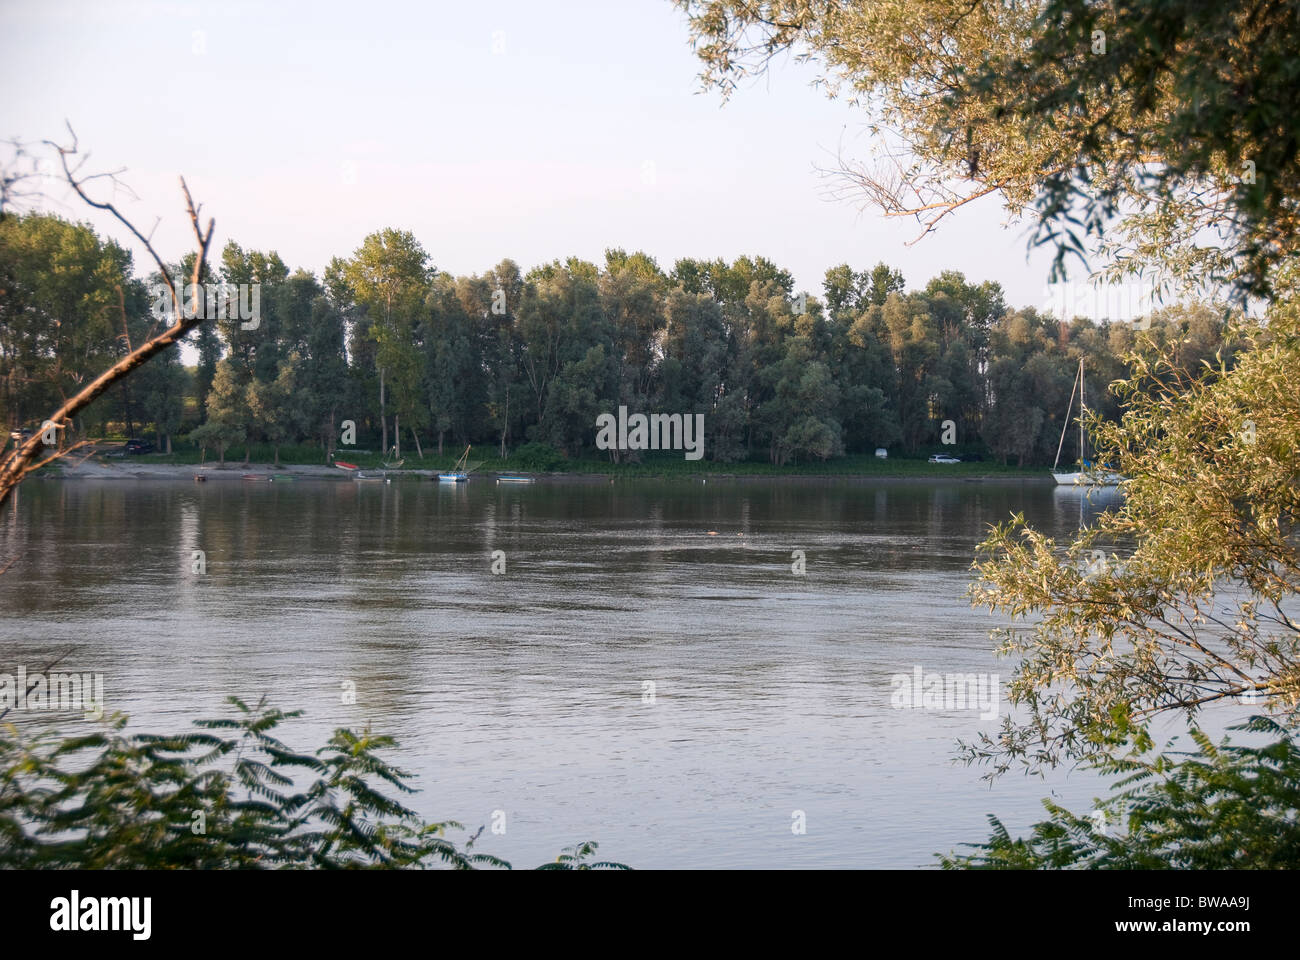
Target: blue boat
x: 458, y: 473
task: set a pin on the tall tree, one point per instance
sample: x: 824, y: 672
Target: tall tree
x: 389, y: 275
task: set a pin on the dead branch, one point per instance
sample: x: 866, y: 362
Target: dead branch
x: 20, y: 461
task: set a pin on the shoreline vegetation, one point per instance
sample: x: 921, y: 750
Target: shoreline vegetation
x: 109, y: 462
x: 384, y: 352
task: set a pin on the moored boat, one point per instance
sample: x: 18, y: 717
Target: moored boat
x: 1089, y: 476
x: 459, y: 471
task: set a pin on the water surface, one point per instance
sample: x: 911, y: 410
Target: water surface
x: 525, y: 691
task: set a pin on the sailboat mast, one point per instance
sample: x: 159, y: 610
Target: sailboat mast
x: 1083, y: 413
x: 1065, y: 424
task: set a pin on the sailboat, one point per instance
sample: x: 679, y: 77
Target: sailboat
x: 458, y: 473
x: 1088, y: 476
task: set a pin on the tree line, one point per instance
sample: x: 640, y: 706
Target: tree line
x: 419, y: 359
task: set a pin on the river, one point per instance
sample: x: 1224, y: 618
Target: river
x: 647, y: 666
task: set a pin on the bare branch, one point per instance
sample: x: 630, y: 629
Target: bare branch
x: 20, y: 461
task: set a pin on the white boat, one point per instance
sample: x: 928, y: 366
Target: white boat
x: 513, y: 478
x: 459, y: 472
x: 1088, y: 476
x: 1105, y: 478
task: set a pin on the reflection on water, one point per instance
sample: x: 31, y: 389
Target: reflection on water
x: 523, y: 691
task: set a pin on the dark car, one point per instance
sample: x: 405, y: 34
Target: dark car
x: 139, y: 446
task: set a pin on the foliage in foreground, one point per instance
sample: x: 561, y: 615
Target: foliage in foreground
x: 1225, y: 807
x: 231, y: 797
x: 1184, y: 594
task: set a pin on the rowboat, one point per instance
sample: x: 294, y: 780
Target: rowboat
x: 515, y: 479
x: 344, y: 465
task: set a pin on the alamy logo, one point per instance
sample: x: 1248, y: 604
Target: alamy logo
x: 1129, y: 301
x: 212, y: 301
x: 57, y: 691
x: 102, y: 913
x: 658, y: 431
x: 946, y: 691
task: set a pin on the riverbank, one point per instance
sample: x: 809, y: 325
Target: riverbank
x: 101, y: 467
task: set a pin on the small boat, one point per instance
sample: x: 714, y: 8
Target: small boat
x: 344, y: 465
x: 200, y: 478
x: 458, y: 473
x: 512, y: 478
x: 1089, y: 476
x: 255, y: 477
x: 363, y: 478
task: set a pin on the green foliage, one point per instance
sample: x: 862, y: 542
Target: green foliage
x: 1178, y: 117
x: 62, y: 297
x: 228, y: 796
x: 578, y: 857
x: 1183, y: 594
x: 1146, y: 123
x: 413, y: 357
x: 1225, y: 807
x: 537, y: 456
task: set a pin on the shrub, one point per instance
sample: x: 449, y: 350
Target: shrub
x: 1221, y: 808
x: 227, y: 796
x: 537, y: 456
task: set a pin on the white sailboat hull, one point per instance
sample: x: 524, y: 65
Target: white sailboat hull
x: 1087, y: 479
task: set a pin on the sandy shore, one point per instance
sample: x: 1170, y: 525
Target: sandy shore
x: 97, y: 468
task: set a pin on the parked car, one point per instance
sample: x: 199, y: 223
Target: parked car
x: 882, y: 453
x: 139, y: 446
x: 943, y: 458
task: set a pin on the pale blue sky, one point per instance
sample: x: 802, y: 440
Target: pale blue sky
x: 489, y: 129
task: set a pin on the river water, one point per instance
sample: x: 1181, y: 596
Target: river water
x: 646, y: 669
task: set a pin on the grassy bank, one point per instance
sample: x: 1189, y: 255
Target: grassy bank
x: 656, y: 465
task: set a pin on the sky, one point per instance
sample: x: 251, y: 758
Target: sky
x: 527, y: 130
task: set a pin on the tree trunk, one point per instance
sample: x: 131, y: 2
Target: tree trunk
x: 277, y: 454
x: 418, y: 450
x: 126, y: 406
x: 397, y: 436
x: 383, y: 414
x: 505, y: 424
x: 440, y: 443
